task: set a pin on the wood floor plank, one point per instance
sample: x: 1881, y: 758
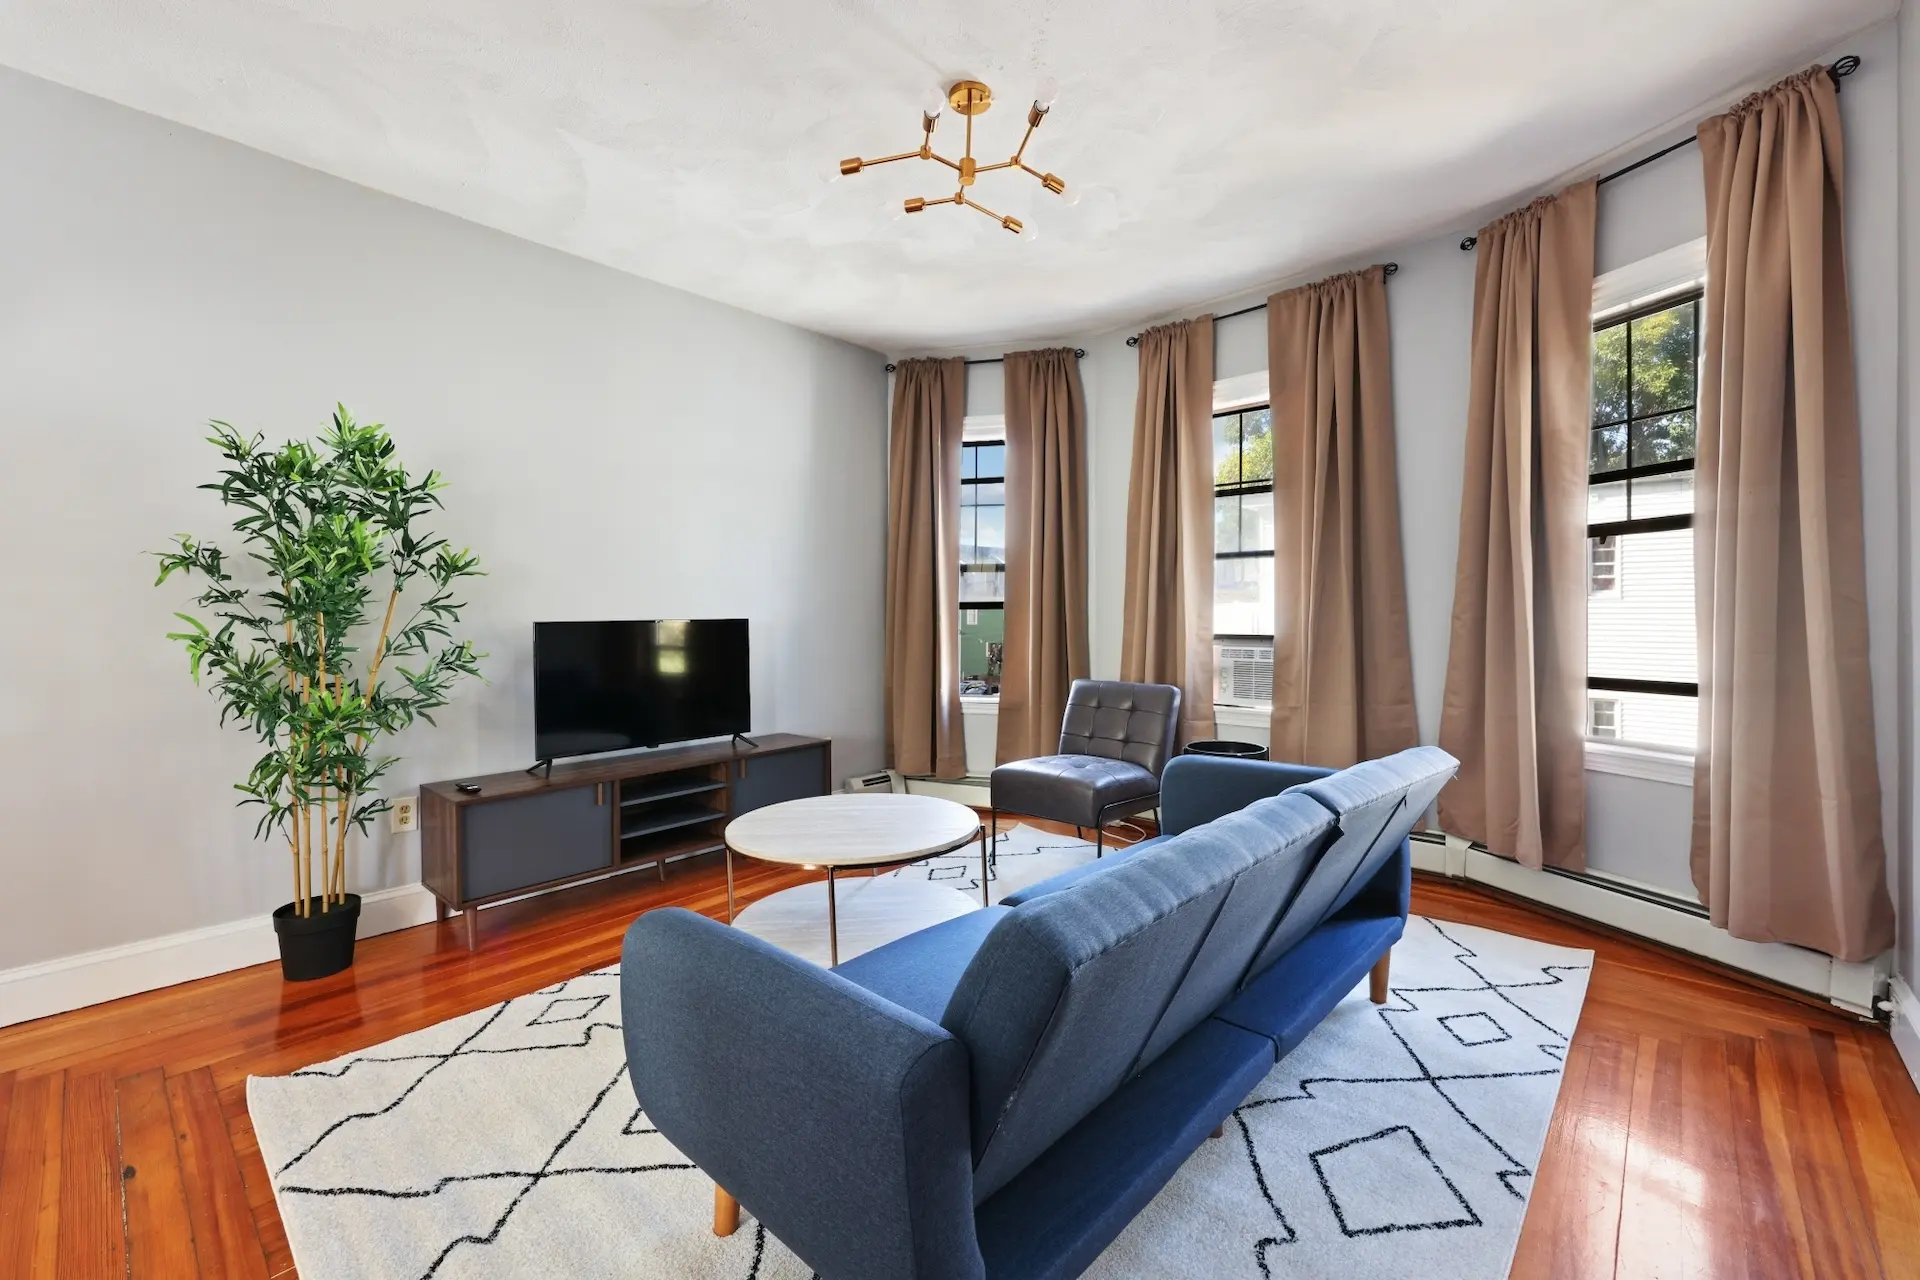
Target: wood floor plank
x: 160, y: 1236
x: 1835, y: 1222
x: 1663, y: 1193
x: 226, y: 1242
x: 1880, y: 1175
x: 92, y: 1228
x: 30, y: 1178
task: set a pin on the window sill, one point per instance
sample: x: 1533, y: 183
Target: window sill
x: 1238, y: 717
x: 979, y: 704
x: 1649, y: 763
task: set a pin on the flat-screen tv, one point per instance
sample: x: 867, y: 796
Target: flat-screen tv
x: 613, y: 686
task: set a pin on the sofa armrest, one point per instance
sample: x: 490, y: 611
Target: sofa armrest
x: 1390, y: 890
x: 1197, y: 789
x: 836, y: 1118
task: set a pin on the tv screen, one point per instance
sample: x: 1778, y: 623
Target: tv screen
x: 612, y: 686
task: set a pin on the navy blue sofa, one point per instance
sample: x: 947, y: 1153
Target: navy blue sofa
x: 999, y: 1095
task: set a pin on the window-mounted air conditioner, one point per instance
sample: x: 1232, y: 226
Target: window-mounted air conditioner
x: 888, y: 780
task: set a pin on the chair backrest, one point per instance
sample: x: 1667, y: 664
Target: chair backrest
x: 1060, y: 1004
x: 1121, y: 721
x: 1375, y: 804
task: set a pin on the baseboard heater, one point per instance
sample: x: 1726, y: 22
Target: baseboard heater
x: 1660, y: 917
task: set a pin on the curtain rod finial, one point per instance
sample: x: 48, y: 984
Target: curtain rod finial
x: 1466, y: 246
x: 890, y: 368
x: 1392, y: 268
x: 1134, y: 341
x: 1845, y: 66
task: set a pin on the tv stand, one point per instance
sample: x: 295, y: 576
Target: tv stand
x: 542, y: 767
x: 544, y: 827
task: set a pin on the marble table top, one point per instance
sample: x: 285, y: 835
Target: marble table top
x: 852, y: 830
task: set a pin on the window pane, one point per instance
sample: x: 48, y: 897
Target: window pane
x: 1243, y: 596
x: 1603, y: 718
x: 1663, y: 720
x: 983, y: 584
x: 993, y: 461
x: 1256, y: 426
x: 1606, y: 502
x: 1608, y: 451
x: 982, y: 635
x: 1644, y: 630
x: 1610, y: 375
x: 1664, y: 362
x: 1663, y: 439
x: 1256, y: 520
x: 1663, y: 496
x: 1603, y: 565
x: 1226, y: 449
x: 989, y: 539
x: 1226, y: 524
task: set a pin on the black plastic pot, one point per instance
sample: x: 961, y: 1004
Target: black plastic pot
x: 316, y: 945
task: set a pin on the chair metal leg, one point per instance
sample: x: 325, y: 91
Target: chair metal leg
x: 1100, y: 841
x: 993, y: 845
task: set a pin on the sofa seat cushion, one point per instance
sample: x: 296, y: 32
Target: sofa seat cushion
x: 919, y: 972
x: 1057, y: 1215
x: 1288, y: 1000
x: 1070, y: 788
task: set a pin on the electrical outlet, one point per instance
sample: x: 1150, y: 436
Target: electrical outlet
x: 403, y: 815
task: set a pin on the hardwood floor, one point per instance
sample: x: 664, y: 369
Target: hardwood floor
x: 1705, y: 1127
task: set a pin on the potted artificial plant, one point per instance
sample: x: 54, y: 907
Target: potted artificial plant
x: 338, y: 633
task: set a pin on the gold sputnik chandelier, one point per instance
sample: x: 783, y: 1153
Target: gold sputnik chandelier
x: 969, y: 98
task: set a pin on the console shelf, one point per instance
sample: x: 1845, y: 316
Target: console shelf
x: 523, y: 833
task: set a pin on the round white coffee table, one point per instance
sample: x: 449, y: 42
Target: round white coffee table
x: 857, y: 833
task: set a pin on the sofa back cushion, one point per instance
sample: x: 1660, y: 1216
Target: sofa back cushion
x: 1059, y: 1003
x: 1375, y: 804
x: 1292, y: 830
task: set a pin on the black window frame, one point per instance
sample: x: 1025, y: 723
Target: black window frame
x: 966, y: 480
x: 1241, y: 488
x: 1646, y: 524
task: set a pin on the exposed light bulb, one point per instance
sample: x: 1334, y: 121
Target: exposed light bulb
x: 934, y: 103
x: 1047, y: 94
x: 1030, y: 231
x: 1071, y: 196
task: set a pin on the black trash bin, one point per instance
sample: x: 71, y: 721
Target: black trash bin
x: 1226, y: 747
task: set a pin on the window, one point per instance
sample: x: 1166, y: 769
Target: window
x: 983, y: 564
x: 1640, y: 621
x: 1603, y: 566
x: 1243, y: 556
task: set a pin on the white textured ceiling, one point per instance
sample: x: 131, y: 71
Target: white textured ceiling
x: 1218, y: 145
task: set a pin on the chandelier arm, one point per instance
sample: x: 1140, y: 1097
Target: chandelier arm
x: 943, y: 160
x: 1035, y: 172
x: 961, y: 199
x: 1023, y: 144
x: 904, y: 155
x: 989, y: 168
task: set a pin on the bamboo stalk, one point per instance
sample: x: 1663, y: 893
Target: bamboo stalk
x: 320, y: 675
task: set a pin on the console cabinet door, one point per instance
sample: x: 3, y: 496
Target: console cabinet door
x: 531, y: 840
x: 786, y: 775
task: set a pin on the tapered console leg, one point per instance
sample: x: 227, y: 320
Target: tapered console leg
x: 726, y: 1212
x: 1377, y: 979
x: 472, y: 915
x: 439, y: 910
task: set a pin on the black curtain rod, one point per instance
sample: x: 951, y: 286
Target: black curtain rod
x: 1134, y: 341
x: 1079, y: 353
x: 1840, y: 70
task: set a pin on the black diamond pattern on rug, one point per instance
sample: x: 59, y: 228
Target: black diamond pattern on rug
x: 1474, y: 1029
x: 567, y: 1009
x: 1415, y: 1193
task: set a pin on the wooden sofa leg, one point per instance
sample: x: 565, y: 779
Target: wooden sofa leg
x: 1377, y: 979
x: 726, y: 1212
x: 1219, y: 1131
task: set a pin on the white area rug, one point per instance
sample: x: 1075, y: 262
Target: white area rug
x: 1396, y: 1141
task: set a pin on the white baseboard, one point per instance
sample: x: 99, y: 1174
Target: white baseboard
x: 92, y: 977
x: 967, y: 791
x: 1906, y: 1027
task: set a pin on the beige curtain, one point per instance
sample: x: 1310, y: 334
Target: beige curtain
x: 1786, y: 797
x: 1167, y: 632
x: 1046, y: 611
x: 1514, y: 708
x: 923, y: 569
x: 1342, y: 669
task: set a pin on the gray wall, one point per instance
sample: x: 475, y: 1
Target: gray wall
x: 1906, y: 475
x: 614, y: 449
